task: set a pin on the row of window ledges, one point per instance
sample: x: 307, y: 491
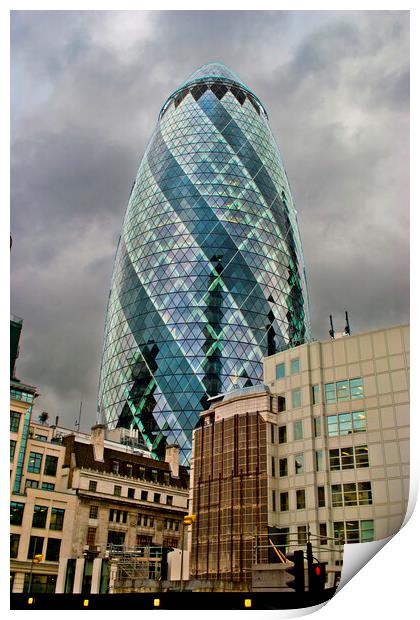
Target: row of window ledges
x: 219, y: 87
x: 131, y: 493
x: 39, y: 517
x: 117, y: 515
x: 342, y: 495
x: 338, y: 425
x: 36, y: 546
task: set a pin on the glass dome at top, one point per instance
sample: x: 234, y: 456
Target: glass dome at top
x: 209, y: 275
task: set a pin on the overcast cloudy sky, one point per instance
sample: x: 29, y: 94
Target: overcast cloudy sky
x: 86, y: 91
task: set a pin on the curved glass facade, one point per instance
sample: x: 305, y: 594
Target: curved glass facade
x: 209, y: 275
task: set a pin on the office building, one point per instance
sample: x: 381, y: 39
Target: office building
x: 209, y: 275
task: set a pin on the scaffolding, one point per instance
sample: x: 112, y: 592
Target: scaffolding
x: 143, y: 562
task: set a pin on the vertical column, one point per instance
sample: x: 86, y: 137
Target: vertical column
x: 78, y: 576
x: 61, y: 576
x: 96, y: 576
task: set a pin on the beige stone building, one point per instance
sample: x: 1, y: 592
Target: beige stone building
x: 333, y: 466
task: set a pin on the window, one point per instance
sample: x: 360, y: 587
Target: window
x: 16, y: 513
x: 40, y: 583
x: 323, y: 540
x: 34, y: 462
x: 169, y: 500
x: 272, y: 432
x: 302, y: 535
x: 143, y: 541
x: 117, y: 490
x: 166, y: 477
x: 52, y: 553
x: 281, y: 403
x: 300, y: 499
x: 41, y: 437
x: 295, y: 366
x: 142, y: 471
x: 143, y: 496
x: 299, y: 466
x: 92, y: 485
x: 50, y: 468
x: 39, y: 518
x: 273, y: 466
x: 14, y: 545
x: 148, y: 521
x: 297, y: 430
x: 282, y: 434
x: 118, y: 516
x: 14, y: 421
x: 344, y: 390
x: 283, y: 467
x: 349, y: 458
x: 35, y: 546
x: 93, y: 512
x: 154, y: 475
x: 156, y: 498
x: 321, y: 497
x: 48, y: 486
x: 130, y: 493
x: 115, y: 467
x: 319, y: 460
x: 273, y: 501
x: 170, y: 541
x: 317, y: 427
x: 31, y: 484
x: 282, y: 540
x: 284, y: 501
x: 280, y: 371
x: 353, y: 531
x: 351, y: 494
x: 296, y: 398
x: 57, y: 519
x: 128, y: 469
x: 116, y: 537
x: 91, y: 536
x: 346, y: 423
x: 315, y: 394
x: 12, y: 449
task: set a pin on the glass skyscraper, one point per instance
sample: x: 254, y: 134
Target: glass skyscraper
x: 209, y: 274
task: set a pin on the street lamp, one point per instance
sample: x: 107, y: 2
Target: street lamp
x: 35, y: 560
x: 188, y: 520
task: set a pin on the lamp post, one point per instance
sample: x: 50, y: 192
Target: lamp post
x: 35, y: 560
x: 188, y: 520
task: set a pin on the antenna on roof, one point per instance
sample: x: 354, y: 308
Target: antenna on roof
x: 331, y: 331
x: 347, y: 327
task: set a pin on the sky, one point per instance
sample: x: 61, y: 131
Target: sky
x: 86, y: 90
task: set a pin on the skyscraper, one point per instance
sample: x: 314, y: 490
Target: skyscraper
x: 209, y: 274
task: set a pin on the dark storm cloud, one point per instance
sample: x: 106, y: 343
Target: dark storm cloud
x: 87, y: 88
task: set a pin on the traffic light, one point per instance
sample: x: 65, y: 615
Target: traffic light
x: 297, y: 571
x: 317, y: 576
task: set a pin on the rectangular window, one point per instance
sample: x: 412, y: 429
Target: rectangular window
x: 39, y: 518
x: 321, y: 497
x: 14, y: 421
x: 361, y: 456
x: 366, y: 531
x: 40, y: 583
x: 115, y: 467
x: 344, y: 390
x: 142, y: 471
x: 356, y: 388
x: 297, y: 430
x: 353, y: 531
x: 128, y: 469
x: 282, y: 540
x: 330, y: 393
x: 336, y: 495
x: 169, y: 500
x: 302, y: 535
x: 323, y: 540
x: 280, y: 371
x: 57, y: 519
x: 92, y: 485
x: 36, y: 544
x: 91, y: 536
x: 156, y: 498
x: 299, y: 468
x: 273, y: 500
x: 139, y: 518
x: 16, y: 513
x: 282, y: 434
x: 14, y: 545
x: 117, y: 490
x: 315, y: 394
x: 364, y: 493
x: 52, y: 553
x: 31, y: 484
x: 295, y: 366
x: 284, y: 501
x: 154, y: 475
x: 41, y: 437
x: 351, y: 494
x: 317, y: 427
x: 166, y: 477
x: 93, y: 512
x: 349, y: 458
x: 130, y: 493
x: 48, y: 486
x: 143, y: 496
x: 346, y: 423
x: 116, y: 537
x: 50, y: 467
x: 300, y: 499
x: 272, y: 432
x: 296, y: 401
x: 12, y: 449
x: 34, y: 462
x: 283, y: 467
x: 273, y: 466
x: 281, y: 403
x: 319, y: 460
